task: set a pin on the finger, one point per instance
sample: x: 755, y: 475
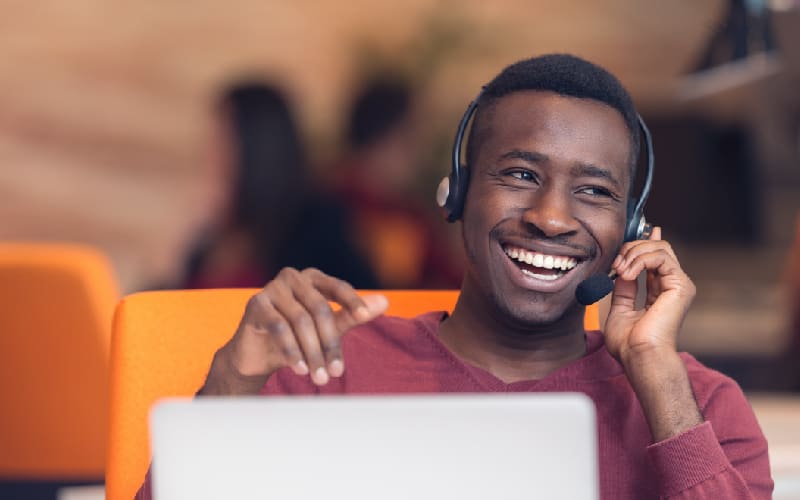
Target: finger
x: 322, y: 314
x: 644, y: 245
x: 624, y: 294
x: 655, y: 235
x: 271, y: 338
x: 303, y: 328
x: 376, y: 305
x: 341, y: 292
x: 630, y: 254
x: 355, y: 309
x: 653, y: 285
x: 659, y: 261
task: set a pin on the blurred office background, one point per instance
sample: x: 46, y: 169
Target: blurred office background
x: 113, y: 133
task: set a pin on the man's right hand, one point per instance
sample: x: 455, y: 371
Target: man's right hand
x: 290, y: 323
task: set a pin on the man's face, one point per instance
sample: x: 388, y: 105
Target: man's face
x: 546, y: 203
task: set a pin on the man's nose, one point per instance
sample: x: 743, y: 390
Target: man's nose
x: 550, y: 212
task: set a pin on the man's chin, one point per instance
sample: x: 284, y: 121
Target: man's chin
x: 534, y: 314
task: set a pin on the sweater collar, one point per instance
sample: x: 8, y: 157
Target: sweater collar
x: 597, y: 364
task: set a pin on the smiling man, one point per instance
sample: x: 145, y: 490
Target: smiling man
x: 551, y: 157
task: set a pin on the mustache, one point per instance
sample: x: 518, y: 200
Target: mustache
x: 498, y: 233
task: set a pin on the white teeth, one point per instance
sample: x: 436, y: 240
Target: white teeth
x: 541, y: 260
x: 545, y: 277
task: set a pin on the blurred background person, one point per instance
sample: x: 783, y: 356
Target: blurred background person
x: 793, y: 275
x: 275, y: 217
x: 378, y: 178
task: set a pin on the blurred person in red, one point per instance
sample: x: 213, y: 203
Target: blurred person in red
x: 377, y: 180
x: 275, y: 216
x: 794, y: 292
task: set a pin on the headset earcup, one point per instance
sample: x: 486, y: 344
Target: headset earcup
x: 457, y: 196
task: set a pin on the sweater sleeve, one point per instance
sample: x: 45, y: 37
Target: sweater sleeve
x: 145, y: 490
x: 724, y: 457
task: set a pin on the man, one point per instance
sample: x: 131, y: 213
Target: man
x: 551, y: 159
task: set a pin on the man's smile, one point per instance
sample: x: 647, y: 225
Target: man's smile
x: 540, y: 266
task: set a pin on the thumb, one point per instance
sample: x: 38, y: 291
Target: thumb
x: 374, y: 306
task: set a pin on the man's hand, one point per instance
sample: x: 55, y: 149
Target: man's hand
x: 630, y: 332
x: 290, y: 323
x: 645, y: 340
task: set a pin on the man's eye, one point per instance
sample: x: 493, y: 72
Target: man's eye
x: 596, y: 191
x: 523, y: 175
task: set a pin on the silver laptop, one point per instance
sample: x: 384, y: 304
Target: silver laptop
x: 376, y: 447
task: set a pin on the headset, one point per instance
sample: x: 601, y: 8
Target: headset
x: 452, y: 191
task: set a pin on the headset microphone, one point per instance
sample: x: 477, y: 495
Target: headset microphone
x: 595, y: 287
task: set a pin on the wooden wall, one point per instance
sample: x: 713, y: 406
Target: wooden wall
x: 104, y: 122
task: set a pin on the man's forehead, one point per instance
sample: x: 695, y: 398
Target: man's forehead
x: 589, y: 129
x: 533, y: 104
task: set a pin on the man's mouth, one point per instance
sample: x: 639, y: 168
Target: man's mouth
x: 542, y: 266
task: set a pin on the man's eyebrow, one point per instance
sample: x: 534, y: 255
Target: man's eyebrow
x: 589, y: 170
x: 528, y: 156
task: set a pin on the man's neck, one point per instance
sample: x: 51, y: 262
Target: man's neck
x: 510, y: 353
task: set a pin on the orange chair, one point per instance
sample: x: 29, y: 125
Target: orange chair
x: 55, y: 328
x: 162, y: 346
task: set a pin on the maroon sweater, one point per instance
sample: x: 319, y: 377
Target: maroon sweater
x: 723, y: 458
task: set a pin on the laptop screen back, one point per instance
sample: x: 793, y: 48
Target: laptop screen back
x: 376, y: 447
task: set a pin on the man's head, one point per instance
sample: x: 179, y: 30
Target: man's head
x: 550, y: 159
x: 562, y: 74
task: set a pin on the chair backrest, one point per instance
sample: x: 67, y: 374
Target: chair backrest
x: 55, y: 327
x: 162, y: 346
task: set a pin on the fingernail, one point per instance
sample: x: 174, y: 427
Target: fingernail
x: 617, y: 261
x: 336, y: 368
x: 362, y: 313
x: 320, y: 376
x: 301, y: 368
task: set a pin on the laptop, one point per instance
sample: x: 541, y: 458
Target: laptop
x: 416, y: 447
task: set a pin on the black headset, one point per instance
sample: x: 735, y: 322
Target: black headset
x: 452, y: 191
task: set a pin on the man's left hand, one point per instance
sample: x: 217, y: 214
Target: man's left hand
x: 645, y: 340
x: 654, y: 328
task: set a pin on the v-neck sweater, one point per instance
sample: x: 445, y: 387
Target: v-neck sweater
x: 724, y: 457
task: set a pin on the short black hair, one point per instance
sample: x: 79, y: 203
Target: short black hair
x: 563, y: 74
